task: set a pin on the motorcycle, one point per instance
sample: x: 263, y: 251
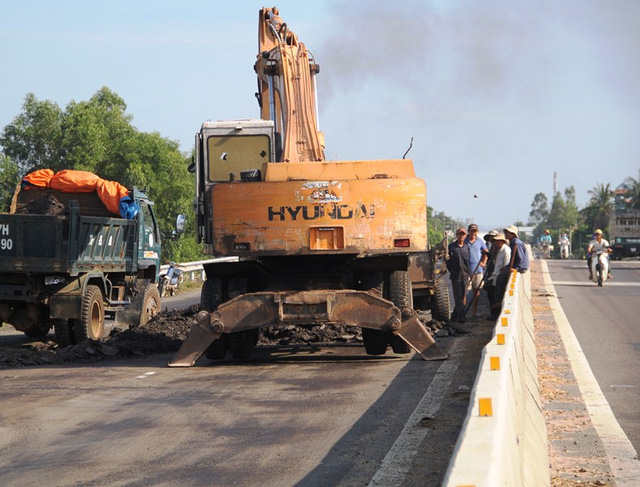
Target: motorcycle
x: 545, y: 249
x: 599, y: 266
x: 170, y: 281
x: 564, y: 249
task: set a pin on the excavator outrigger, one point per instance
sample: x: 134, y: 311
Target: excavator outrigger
x: 316, y: 241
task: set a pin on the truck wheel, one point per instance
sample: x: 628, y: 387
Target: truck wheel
x: 440, y: 305
x: 91, y: 323
x: 151, y: 304
x: 64, y: 333
x: 400, y: 294
x: 210, y: 298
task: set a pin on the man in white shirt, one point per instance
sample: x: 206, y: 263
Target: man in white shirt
x: 598, y: 243
x: 502, y: 259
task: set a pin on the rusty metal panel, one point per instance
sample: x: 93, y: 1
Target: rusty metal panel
x: 272, y: 218
x: 255, y: 310
x: 339, y: 170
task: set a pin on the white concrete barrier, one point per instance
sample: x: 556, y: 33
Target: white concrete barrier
x: 503, y: 441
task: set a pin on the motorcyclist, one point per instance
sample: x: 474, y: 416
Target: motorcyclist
x: 564, y: 243
x: 598, y: 243
x: 545, y: 242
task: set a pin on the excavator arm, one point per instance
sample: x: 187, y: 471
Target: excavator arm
x: 287, y: 90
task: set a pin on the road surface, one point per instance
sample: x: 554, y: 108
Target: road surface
x: 607, y: 324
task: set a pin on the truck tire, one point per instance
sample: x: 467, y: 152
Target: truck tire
x: 151, y: 303
x: 211, y: 296
x: 90, y: 326
x: 440, y: 304
x: 375, y: 341
x: 400, y: 294
x: 241, y: 343
x: 63, y: 330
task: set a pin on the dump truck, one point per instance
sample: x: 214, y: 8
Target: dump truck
x: 624, y: 230
x: 71, y: 268
x: 317, y: 242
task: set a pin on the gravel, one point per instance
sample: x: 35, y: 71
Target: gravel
x: 164, y: 334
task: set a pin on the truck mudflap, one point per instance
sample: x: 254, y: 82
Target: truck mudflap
x: 255, y: 310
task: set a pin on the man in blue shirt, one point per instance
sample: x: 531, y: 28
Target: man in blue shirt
x: 478, y: 254
x: 519, y: 262
x: 519, y: 256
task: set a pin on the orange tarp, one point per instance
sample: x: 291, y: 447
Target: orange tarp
x: 39, y: 179
x: 113, y: 195
x: 69, y: 181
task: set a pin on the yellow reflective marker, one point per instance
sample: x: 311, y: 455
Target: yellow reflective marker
x: 505, y: 321
x: 507, y: 312
x: 485, y: 407
x: 494, y: 363
x: 510, y: 292
x: 500, y: 340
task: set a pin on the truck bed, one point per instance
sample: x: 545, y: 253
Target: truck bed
x: 70, y: 243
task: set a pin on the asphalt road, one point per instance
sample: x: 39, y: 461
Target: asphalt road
x: 606, y: 322
x: 308, y: 416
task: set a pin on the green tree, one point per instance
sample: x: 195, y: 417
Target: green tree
x: 572, y: 213
x: 438, y: 223
x: 539, y: 209
x: 9, y: 179
x: 633, y: 195
x: 33, y: 139
x: 598, y: 209
x: 97, y: 136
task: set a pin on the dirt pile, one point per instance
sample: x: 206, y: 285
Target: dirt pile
x: 164, y: 334
x: 45, y: 205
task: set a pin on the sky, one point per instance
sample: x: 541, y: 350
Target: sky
x: 498, y: 95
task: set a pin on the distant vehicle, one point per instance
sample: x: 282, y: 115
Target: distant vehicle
x: 624, y: 230
x: 170, y: 281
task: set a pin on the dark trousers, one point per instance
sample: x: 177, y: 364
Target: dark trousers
x: 498, y: 295
x: 459, y: 287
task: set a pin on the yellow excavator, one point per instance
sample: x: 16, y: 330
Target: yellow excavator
x: 308, y: 241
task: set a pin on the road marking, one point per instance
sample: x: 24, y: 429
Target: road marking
x: 397, y: 461
x: 593, y: 284
x: 146, y: 374
x: 621, y: 454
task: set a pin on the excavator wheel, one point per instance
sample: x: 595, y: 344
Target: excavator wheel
x: 241, y: 343
x: 375, y: 341
x: 440, y: 303
x: 399, y: 292
x: 211, y: 296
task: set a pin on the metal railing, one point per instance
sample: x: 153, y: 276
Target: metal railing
x: 192, y: 269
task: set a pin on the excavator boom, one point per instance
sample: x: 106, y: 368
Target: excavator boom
x: 287, y: 90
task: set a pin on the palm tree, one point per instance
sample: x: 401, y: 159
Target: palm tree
x: 600, y: 206
x: 633, y: 193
